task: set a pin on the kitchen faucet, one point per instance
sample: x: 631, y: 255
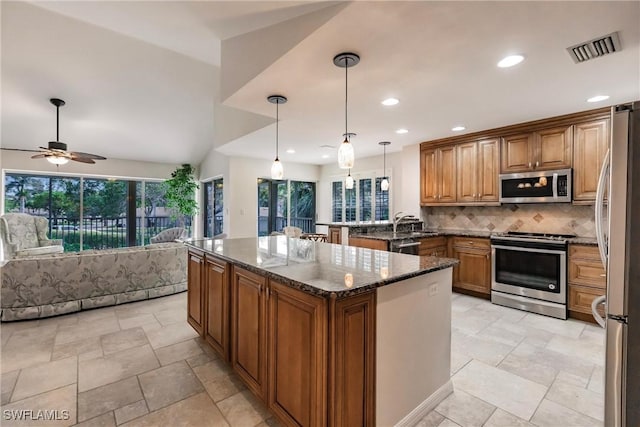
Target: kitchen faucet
x: 399, y: 216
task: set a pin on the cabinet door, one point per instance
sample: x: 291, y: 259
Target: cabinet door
x: 194, y: 292
x: 216, y: 332
x: 447, y: 174
x: 334, y: 235
x: 516, y: 153
x: 248, y: 329
x: 488, y: 170
x: 428, y: 176
x: 474, y: 271
x: 554, y: 148
x: 297, y: 356
x: 590, y: 145
x: 467, y: 172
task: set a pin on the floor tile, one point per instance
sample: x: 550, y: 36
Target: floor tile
x: 507, y: 391
x: 487, y: 351
x: 199, y: 360
x: 180, y: 351
x: 169, y: 384
x: 579, y: 399
x: 167, y: 317
x: 553, y: 359
x: 433, y: 419
x: 87, y: 329
x: 569, y: 328
x: 472, y: 322
x: 104, y: 420
x: 122, y: 340
x: 500, y: 335
x: 242, y: 409
x: 222, y: 387
x: 108, y: 397
x: 131, y: 411
x: 501, y: 418
x: 532, y: 336
x: 7, y: 383
x: 448, y: 423
x: 572, y: 379
x: 62, y: 400
x: 578, y: 348
x: 465, y: 409
x: 458, y: 360
x: 104, y: 370
x: 197, y: 410
x: 45, y: 377
x: 28, y: 347
x: 528, y: 369
x: 551, y: 414
x: 134, y: 320
x: 170, y: 334
x: 212, y: 370
x: 76, y: 348
x: 596, y: 382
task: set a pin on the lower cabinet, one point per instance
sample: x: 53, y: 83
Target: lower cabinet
x: 381, y: 245
x: 433, y: 246
x: 195, y: 299
x: 474, y: 271
x: 249, y: 329
x: 587, y: 280
x: 217, y: 294
x: 335, y: 235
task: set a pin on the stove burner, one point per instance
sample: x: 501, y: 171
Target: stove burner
x: 539, y: 235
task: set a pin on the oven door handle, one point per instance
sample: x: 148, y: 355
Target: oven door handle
x: 407, y: 245
x: 520, y: 249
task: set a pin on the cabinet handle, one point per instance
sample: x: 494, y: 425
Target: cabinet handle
x: 603, y: 275
x: 474, y: 195
x: 537, y: 163
x: 470, y: 242
x: 487, y: 256
x: 529, y: 165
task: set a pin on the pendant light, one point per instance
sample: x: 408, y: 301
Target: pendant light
x: 277, y: 171
x: 384, y: 185
x: 346, y: 155
x: 348, y: 182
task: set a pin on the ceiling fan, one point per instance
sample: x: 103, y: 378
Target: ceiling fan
x: 56, y: 151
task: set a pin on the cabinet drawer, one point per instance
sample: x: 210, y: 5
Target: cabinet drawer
x: 432, y: 242
x: 584, y: 251
x: 587, y: 272
x: 581, y: 297
x: 440, y: 251
x: 471, y: 242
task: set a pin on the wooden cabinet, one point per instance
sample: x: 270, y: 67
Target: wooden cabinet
x: 195, y: 295
x: 216, y: 332
x: 381, y: 245
x: 587, y: 280
x: 433, y: 246
x: 438, y: 175
x: 474, y: 271
x: 477, y: 172
x: 297, y: 332
x: 590, y: 145
x: 249, y: 329
x: 545, y: 149
x: 335, y: 235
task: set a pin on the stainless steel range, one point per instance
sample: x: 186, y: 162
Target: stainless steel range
x: 530, y: 272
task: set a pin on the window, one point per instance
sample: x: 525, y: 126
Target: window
x: 282, y: 203
x: 113, y: 212
x: 364, y: 202
x: 302, y: 197
x: 213, y: 208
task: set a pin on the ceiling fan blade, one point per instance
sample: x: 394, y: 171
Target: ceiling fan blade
x: 87, y: 155
x: 20, y: 149
x: 82, y: 159
x: 39, y: 156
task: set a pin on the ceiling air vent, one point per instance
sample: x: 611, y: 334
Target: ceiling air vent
x: 595, y: 48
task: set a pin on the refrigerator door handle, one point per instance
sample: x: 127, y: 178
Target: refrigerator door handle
x: 614, y: 395
x: 602, y: 182
x: 594, y: 310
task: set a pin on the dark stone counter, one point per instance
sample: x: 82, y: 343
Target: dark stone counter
x: 319, y: 268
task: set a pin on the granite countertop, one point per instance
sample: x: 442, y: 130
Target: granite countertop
x: 364, y: 223
x: 584, y: 241
x: 391, y: 236
x: 319, y: 268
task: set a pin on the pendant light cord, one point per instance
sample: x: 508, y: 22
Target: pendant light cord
x: 346, y: 95
x: 277, y: 126
x: 384, y: 161
x: 57, y: 123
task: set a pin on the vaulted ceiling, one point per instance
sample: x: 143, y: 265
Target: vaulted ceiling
x: 168, y: 81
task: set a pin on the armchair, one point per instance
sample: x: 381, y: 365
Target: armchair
x: 170, y: 235
x: 24, y: 234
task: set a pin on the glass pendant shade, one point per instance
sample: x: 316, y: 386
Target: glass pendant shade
x: 277, y: 171
x: 348, y: 182
x: 346, y: 155
x: 384, y: 185
x: 58, y: 160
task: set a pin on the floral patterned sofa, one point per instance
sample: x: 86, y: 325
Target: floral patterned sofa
x: 47, y: 285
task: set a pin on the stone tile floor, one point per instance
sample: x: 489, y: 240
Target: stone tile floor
x: 510, y: 368
x: 141, y: 364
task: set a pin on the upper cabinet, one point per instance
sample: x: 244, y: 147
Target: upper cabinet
x: 545, y: 149
x: 590, y: 145
x: 477, y: 172
x: 438, y: 175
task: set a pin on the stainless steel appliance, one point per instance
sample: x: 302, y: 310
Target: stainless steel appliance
x: 619, y: 243
x: 536, y: 187
x: 405, y: 246
x: 529, y: 272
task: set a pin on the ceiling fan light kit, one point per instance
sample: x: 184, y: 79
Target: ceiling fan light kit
x: 277, y: 171
x: 346, y: 154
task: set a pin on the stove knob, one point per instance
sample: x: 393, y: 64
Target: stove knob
x: 552, y: 286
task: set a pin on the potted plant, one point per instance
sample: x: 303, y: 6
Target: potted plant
x: 181, y: 193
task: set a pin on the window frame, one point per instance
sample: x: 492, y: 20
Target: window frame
x: 375, y: 177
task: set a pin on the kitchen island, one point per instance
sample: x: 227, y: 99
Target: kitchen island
x: 326, y: 334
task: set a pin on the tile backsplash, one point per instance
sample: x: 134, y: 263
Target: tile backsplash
x: 540, y: 218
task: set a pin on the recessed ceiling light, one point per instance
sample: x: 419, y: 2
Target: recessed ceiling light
x: 401, y: 131
x: 598, y: 98
x: 325, y: 156
x: 458, y: 128
x: 510, y: 61
x: 390, y: 101
x: 291, y: 151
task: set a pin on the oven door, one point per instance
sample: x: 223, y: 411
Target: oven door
x: 530, y: 272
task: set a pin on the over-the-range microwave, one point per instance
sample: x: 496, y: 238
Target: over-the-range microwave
x: 536, y: 187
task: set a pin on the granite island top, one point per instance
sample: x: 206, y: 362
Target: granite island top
x: 319, y: 268
x: 366, y: 223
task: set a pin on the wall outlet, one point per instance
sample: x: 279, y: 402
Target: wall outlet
x: 433, y: 289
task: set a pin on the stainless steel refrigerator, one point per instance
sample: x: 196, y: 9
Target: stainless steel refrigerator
x: 618, y: 232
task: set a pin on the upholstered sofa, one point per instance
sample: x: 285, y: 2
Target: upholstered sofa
x: 47, y: 285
